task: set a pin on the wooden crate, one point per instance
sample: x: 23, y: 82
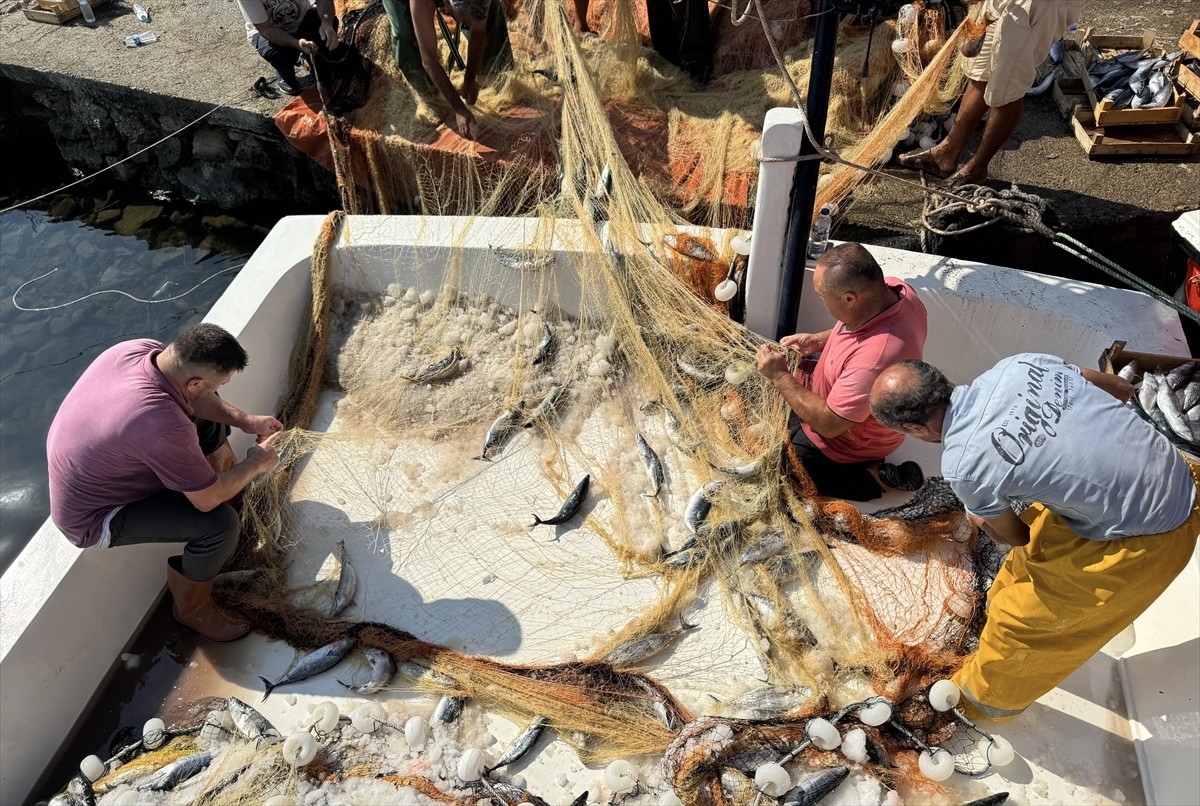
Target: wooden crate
x: 1067, y: 100
x: 1190, y: 41
x: 57, y: 12
x: 1187, y: 80
x: 1115, y: 357
x: 1167, y: 139
x: 1100, y: 46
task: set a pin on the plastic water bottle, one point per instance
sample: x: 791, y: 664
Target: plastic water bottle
x: 140, y: 13
x: 139, y: 39
x: 86, y: 8
x: 819, y: 241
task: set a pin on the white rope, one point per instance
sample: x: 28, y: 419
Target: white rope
x: 19, y: 307
x: 126, y: 159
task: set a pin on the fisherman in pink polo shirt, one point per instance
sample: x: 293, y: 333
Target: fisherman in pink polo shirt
x: 880, y: 320
x: 135, y: 456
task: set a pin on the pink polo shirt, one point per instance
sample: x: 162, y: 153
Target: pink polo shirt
x: 849, y: 365
x: 121, y: 435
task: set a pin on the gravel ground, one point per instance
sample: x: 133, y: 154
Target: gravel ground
x: 202, y: 54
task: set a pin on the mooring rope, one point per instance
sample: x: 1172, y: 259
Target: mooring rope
x: 20, y: 307
x: 155, y: 144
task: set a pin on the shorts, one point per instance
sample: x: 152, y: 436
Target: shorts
x: 850, y: 481
x: 1016, y: 43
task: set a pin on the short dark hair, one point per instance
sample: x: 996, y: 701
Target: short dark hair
x: 850, y: 267
x: 209, y: 346
x: 915, y: 402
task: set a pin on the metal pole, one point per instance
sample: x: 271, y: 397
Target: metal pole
x: 804, y: 186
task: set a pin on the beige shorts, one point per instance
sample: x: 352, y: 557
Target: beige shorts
x: 1016, y: 43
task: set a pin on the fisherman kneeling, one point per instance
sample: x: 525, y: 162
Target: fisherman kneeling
x: 138, y: 454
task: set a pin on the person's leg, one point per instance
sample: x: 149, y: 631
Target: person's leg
x: 282, y: 59
x: 1002, y: 122
x: 404, y: 45
x: 850, y: 482
x: 695, y: 41
x: 1057, y: 601
x: 498, y: 55
x: 581, y: 12
x: 664, y: 24
x: 169, y: 517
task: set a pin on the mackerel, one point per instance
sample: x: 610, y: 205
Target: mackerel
x: 347, y: 584
x: 176, y: 772
x: 314, y: 662
x: 645, y: 646
x: 544, y: 408
x: 569, y: 507
x: 382, y: 669
x: 503, y: 429
x: 688, y: 246
x: 816, y: 787
x: 250, y: 723
x: 522, y: 259
x: 653, y: 465
x: 438, y: 370
x: 419, y: 671
x: 700, y: 505
x: 448, y: 709
x: 548, y: 347
x: 521, y: 745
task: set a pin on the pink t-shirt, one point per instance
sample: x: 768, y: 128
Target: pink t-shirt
x: 849, y: 365
x: 121, y: 435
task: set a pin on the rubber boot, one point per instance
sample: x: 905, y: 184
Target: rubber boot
x: 221, y: 460
x: 194, y: 607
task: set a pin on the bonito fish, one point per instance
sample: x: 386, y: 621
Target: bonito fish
x: 315, y: 662
x: 569, y: 507
x: 521, y: 745
x: 382, y: 669
x: 503, y: 429
x: 347, y: 584
x: 645, y: 646
x: 176, y: 772
x: 250, y: 723
x: 653, y: 465
x: 438, y: 370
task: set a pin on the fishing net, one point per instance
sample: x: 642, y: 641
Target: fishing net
x: 697, y: 616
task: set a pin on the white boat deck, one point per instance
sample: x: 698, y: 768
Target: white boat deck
x: 1118, y: 730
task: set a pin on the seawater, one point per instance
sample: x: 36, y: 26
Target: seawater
x: 89, y: 247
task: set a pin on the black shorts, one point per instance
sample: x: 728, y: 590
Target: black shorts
x: 849, y: 481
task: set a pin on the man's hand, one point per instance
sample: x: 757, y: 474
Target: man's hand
x: 261, y: 426
x: 464, y: 123
x: 771, y: 364
x: 469, y: 90
x: 308, y: 46
x: 263, y: 456
x: 803, y: 343
x: 329, y: 35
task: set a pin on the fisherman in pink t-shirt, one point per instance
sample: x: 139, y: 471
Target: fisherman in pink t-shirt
x: 880, y: 320
x: 135, y: 456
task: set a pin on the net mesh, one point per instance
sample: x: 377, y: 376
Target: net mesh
x: 701, y: 617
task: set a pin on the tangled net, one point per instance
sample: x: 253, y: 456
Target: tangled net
x: 598, y: 332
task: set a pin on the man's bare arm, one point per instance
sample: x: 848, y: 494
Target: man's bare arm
x: 259, y: 459
x: 1115, y: 385
x: 808, y: 406
x: 1005, y: 528
x: 422, y: 16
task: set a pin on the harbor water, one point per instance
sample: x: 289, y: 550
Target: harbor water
x: 78, y: 275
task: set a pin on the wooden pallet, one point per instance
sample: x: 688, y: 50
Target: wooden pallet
x: 1167, y: 139
x: 57, y: 12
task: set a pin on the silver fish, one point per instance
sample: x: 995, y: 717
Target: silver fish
x: 521, y: 745
x: 688, y: 246
x: 1130, y: 370
x: 548, y: 346
x: 815, y: 787
x: 176, y: 772
x: 667, y: 713
x: 80, y: 792
x: 1057, y: 50
x: 707, y: 380
x: 343, y: 596
x: 522, y: 259
x: 417, y: 670
x: 569, y: 507
x: 740, y: 471
x: 502, y: 792
x: 438, y: 370
x: 382, y: 669
x: 250, y: 723
x: 1160, y: 96
x: 1172, y: 414
x: 790, y: 622
x: 314, y: 662
x: 1180, y: 375
x: 1148, y: 392
x: 1191, y: 395
x: 645, y: 646
x: 503, y: 429
x: 770, y: 545
x: 686, y: 558
x: 653, y: 465
x: 448, y: 709
x: 767, y: 703
x: 544, y: 408
x: 700, y: 504
x: 1040, y: 89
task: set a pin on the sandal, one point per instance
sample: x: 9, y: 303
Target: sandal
x: 922, y: 161
x: 907, y: 477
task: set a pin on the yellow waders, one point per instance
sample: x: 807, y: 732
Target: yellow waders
x: 1058, y: 600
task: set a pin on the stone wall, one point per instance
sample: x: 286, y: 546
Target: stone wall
x: 233, y: 158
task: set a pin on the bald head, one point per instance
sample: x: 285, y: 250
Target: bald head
x: 910, y: 393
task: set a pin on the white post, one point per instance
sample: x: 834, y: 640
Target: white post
x: 782, y: 136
